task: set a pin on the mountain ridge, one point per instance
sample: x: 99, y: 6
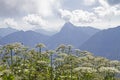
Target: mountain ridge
x: 29, y: 38
x: 70, y: 34
x: 5, y: 31
x: 104, y: 43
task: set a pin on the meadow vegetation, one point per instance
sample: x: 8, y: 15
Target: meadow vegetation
x: 18, y: 62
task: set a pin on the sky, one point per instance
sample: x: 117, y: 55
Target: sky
x: 51, y: 15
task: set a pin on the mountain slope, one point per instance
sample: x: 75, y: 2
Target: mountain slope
x: 105, y: 43
x: 6, y: 31
x: 42, y: 31
x: 28, y: 38
x: 71, y: 34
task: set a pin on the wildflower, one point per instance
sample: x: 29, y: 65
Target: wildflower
x: 42, y: 62
x: 85, y: 70
x: 62, y: 55
x: 115, y: 62
x: 109, y: 69
x: 59, y: 60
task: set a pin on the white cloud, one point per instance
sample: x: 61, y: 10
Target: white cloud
x: 47, y: 7
x: 10, y: 22
x: 116, y: 10
x: 35, y: 19
x: 102, y: 11
x: 16, y: 8
x: 38, y: 22
x: 89, y: 2
x: 113, y: 2
x: 105, y: 10
x: 83, y: 16
x: 78, y: 16
x: 22, y: 7
x: 46, y: 16
x: 44, y: 13
x: 65, y: 14
x: 104, y: 3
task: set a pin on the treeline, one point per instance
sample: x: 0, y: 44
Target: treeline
x: 18, y: 62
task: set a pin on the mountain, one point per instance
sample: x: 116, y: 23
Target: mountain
x: 42, y: 31
x: 6, y: 31
x: 104, y: 43
x: 71, y: 34
x: 28, y: 38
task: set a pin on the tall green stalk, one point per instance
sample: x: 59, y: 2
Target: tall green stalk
x: 11, y: 56
x: 51, y: 76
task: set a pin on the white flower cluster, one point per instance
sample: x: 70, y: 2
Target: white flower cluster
x: 90, y: 57
x: 102, y: 59
x: 59, y: 60
x: 83, y: 58
x: 62, y: 55
x: 42, y: 62
x: 5, y: 72
x: 85, y: 64
x: 84, y: 53
x: 109, y: 69
x: 66, y: 66
x: 114, y: 62
x: 85, y: 70
x: 26, y: 70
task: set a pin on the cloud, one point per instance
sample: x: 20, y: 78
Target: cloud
x: 34, y: 19
x: 78, y: 16
x: 103, y: 3
x: 79, y: 4
x: 38, y: 22
x: 16, y: 8
x: 113, y: 2
x: 65, y: 14
x: 48, y: 7
x: 29, y: 14
x: 39, y: 13
x: 102, y: 11
x: 10, y: 22
x: 106, y: 10
x: 89, y: 2
x: 83, y: 16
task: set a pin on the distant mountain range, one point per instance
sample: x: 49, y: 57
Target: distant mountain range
x: 100, y: 42
x: 71, y: 34
x: 28, y: 38
x: 5, y: 31
x: 104, y: 43
x: 42, y: 31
